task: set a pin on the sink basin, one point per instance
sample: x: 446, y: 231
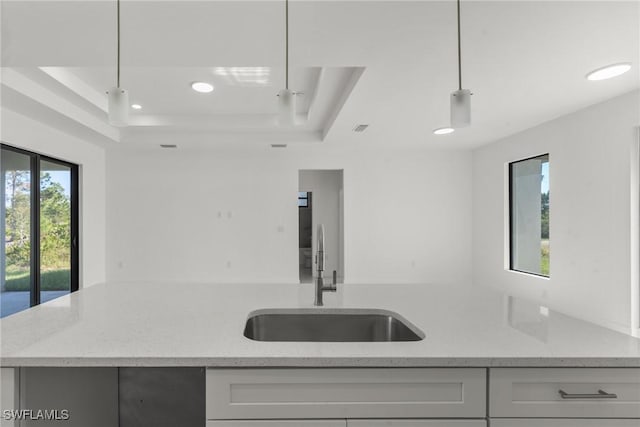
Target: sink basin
x: 330, y: 325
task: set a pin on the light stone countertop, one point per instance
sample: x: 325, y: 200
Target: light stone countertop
x: 156, y: 324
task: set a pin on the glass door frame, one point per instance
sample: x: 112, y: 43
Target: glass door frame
x: 35, y: 264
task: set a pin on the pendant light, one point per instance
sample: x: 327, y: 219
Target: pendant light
x: 461, y: 98
x: 286, y: 97
x: 118, y: 97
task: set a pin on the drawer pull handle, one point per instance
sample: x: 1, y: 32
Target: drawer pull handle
x: 601, y: 395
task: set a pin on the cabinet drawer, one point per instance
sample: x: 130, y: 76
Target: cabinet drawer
x: 566, y: 422
x: 535, y: 393
x: 345, y: 393
x: 416, y: 423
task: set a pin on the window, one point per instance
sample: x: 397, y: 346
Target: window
x: 38, y: 228
x: 529, y: 215
x: 304, y: 199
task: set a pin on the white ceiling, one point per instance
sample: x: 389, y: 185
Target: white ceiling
x: 390, y: 64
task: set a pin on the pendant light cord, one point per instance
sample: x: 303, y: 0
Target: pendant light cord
x: 459, y: 52
x: 286, y: 44
x: 118, y: 61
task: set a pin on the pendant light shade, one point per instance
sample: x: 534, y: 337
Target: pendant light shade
x: 286, y: 107
x: 460, y: 108
x: 118, y: 107
x: 461, y: 98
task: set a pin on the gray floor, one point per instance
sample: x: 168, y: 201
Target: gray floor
x: 14, y: 301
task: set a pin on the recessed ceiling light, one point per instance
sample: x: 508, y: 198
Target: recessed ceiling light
x: 609, y: 71
x: 443, y: 131
x: 136, y: 106
x: 202, y: 87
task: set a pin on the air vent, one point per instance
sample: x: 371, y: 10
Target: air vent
x: 168, y: 146
x: 278, y: 145
x: 360, y: 128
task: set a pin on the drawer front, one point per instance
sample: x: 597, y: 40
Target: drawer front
x: 567, y: 422
x: 345, y: 393
x: 277, y: 423
x: 536, y: 393
x: 416, y: 423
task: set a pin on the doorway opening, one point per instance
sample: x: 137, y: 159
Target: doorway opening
x: 320, y: 201
x: 305, y: 235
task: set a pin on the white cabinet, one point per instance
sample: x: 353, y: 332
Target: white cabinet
x: 564, y: 393
x: 348, y: 423
x: 423, y: 397
x: 240, y: 394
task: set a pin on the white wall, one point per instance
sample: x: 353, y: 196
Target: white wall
x: 232, y: 216
x: 590, y: 212
x: 325, y: 186
x: 23, y: 132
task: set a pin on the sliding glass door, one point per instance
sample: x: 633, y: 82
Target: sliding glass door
x: 16, y: 276
x: 39, y: 229
x: 55, y: 229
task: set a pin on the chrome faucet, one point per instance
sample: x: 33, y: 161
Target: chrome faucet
x: 320, y: 287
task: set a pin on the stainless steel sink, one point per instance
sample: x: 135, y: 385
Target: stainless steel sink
x: 330, y: 325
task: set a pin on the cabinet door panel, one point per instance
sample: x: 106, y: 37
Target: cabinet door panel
x: 541, y: 422
x: 345, y: 393
x: 90, y: 395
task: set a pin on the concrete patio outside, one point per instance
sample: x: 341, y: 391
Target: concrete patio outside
x: 14, y: 301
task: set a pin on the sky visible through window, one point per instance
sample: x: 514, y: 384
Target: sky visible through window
x: 62, y: 177
x: 544, y: 187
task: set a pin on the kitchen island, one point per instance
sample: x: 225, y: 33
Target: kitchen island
x: 160, y: 324
x: 485, y: 356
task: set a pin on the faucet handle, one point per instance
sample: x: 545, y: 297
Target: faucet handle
x: 334, y: 283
